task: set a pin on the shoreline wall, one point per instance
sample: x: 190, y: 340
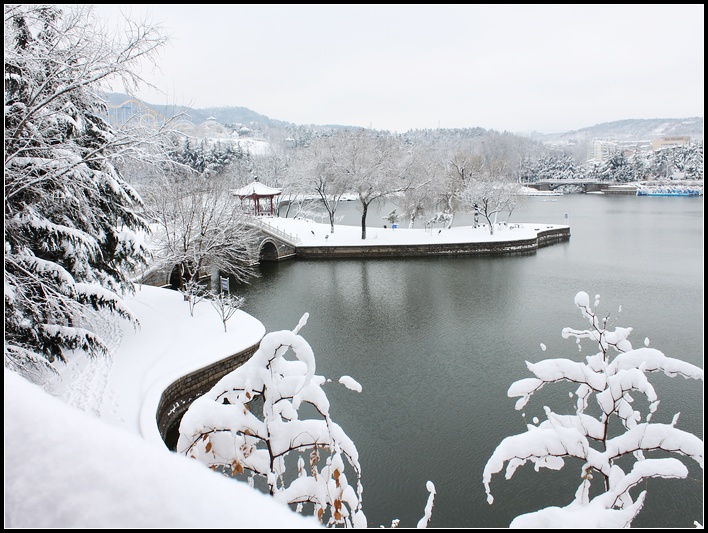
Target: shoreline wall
x: 179, y: 395
x: 543, y: 238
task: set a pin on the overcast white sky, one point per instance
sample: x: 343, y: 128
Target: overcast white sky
x: 519, y: 68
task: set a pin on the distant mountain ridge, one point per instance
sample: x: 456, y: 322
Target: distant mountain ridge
x: 223, y: 115
x: 629, y: 129
x: 633, y: 129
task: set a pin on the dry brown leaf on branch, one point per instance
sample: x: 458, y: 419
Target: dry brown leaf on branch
x: 236, y: 468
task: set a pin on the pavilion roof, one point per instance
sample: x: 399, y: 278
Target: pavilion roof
x: 256, y: 189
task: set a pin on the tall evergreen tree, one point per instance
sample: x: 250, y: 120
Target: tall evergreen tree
x: 72, y: 223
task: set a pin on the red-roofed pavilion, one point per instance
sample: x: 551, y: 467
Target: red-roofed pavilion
x: 260, y: 195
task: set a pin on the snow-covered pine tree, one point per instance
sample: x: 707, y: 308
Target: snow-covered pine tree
x: 693, y: 161
x: 607, y: 436
x: 71, y: 222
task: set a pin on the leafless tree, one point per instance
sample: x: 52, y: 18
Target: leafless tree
x: 199, y: 227
x: 488, y: 196
x: 318, y: 170
x: 226, y: 304
x: 194, y: 292
x: 460, y: 165
x: 427, y: 182
x: 374, y: 165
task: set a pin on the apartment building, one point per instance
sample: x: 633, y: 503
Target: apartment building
x: 670, y: 142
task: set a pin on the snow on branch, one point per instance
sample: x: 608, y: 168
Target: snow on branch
x: 585, y: 424
x: 652, y: 436
x: 618, y: 385
x: 423, y: 523
x: 641, y: 470
x: 600, y: 443
x: 350, y: 383
x: 544, y: 447
x: 652, y: 360
x: 252, y: 422
x: 42, y: 267
x: 553, y: 370
x: 101, y: 298
x: 580, y: 516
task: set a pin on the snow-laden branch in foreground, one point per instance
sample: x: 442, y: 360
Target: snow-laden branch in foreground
x: 271, y: 414
x: 596, y: 441
x: 268, y: 423
x: 423, y: 523
x: 350, y: 383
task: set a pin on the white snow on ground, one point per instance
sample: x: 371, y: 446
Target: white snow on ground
x: 168, y: 344
x: 310, y: 233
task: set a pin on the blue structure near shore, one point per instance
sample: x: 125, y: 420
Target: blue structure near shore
x: 669, y: 191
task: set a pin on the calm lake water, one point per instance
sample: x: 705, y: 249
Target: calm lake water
x: 436, y: 342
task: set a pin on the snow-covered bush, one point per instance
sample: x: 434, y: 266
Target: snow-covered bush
x: 226, y: 305
x: 600, y: 444
x: 194, y: 292
x: 268, y: 422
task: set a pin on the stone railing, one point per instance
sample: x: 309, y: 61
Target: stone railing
x: 290, y: 238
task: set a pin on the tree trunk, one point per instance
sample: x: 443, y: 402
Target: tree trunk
x: 364, y: 209
x: 491, y: 224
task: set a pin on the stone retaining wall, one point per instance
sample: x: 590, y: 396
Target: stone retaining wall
x: 177, y: 398
x: 544, y: 237
x: 553, y: 236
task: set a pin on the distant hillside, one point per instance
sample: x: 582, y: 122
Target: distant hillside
x: 632, y: 129
x: 223, y: 115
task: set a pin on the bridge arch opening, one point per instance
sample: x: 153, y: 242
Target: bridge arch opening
x: 268, y: 251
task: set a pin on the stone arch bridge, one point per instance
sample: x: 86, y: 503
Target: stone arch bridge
x: 584, y: 185
x: 273, y: 243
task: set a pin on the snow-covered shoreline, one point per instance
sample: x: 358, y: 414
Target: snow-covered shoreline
x: 310, y: 233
